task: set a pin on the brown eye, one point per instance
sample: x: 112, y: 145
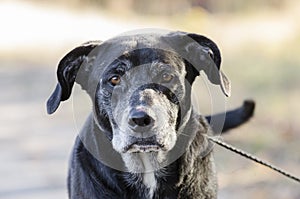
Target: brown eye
x: 166, y: 77
x: 115, y: 80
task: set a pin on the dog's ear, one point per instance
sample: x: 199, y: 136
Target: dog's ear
x: 200, y: 54
x: 212, y: 70
x: 67, y: 71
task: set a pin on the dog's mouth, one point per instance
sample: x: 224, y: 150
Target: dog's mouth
x: 135, y: 148
x: 143, y: 145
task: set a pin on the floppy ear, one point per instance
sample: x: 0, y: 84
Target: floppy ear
x: 200, y: 54
x: 212, y: 70
x: 66, y: 74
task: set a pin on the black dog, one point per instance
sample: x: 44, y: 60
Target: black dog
x: 143, y: 139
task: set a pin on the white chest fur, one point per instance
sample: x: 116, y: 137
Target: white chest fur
x: 148, y: 176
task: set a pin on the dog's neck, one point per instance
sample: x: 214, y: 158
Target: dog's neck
x: 155, y: 184
x: 149, y: 176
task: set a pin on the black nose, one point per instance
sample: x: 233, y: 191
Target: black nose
x: 140, y: 118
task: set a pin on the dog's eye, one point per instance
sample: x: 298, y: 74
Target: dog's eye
x: 115, y: 80
x: 167, y: 77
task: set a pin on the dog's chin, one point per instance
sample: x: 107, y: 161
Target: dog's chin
x: 137, y: 152
x: 127, y: 142
x: 147, y: 157
x: 144, y: 145
x: 144, y: 162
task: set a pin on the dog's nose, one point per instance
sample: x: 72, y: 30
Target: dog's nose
x: 140, y: 118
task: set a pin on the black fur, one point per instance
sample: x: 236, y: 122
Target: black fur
x: 104, y: 182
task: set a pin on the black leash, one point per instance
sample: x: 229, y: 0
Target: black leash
x: 253, y: 158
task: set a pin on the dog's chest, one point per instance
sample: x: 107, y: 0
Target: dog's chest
x: 149, y: 176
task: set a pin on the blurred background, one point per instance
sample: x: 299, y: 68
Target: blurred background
x: 260, y: 44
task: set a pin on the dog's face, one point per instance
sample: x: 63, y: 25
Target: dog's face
x: 142, y: 96
x: 142, y: 92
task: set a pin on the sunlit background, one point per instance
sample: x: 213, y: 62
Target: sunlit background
x: 260, y: 44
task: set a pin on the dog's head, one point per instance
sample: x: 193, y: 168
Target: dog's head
x: 140, y: 85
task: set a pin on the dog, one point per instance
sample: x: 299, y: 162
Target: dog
x: 143, y: 138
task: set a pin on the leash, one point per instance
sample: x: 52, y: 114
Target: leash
x: 253, y: 158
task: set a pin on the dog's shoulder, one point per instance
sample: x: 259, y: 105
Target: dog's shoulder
x: 197, y: 170
x: 89, y: 178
